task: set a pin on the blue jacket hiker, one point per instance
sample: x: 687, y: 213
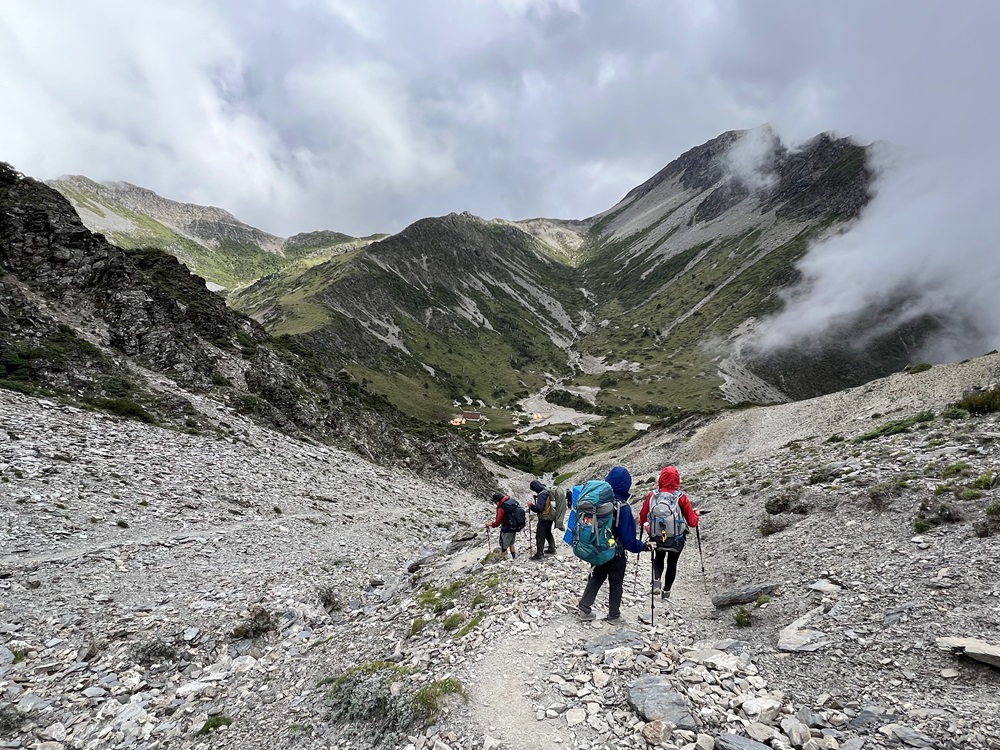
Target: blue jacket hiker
x: 613, y: 571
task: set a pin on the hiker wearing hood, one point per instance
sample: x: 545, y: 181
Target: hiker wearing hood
x: 666, y: 515
x: 613, y: 571
x: 544, y: 506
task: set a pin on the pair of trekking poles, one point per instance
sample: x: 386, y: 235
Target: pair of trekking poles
x: 652, y: 570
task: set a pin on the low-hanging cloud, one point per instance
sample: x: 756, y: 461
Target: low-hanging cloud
x: 924, y: 248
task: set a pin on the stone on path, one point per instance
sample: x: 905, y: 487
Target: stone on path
x: 609, y: 641
x: 653, y: 696
x: 737, y: 742
x: 797, y: 637
x: 973, y: 648
x: 744, y: 595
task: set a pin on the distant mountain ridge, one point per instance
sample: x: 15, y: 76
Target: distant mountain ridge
x: 641, y: 314
x: 225, y: 251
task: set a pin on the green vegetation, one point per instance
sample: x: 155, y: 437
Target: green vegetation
x: 453, y: 621
x: 427, y: 700
x: 897, y: 426
x: 914, y: 369
x: 742, y: 617
x: 469, y: 626
x: 978, y: 403
x: 418, y: 624
x: 213, y: 723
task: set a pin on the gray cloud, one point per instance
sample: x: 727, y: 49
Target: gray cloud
x: 364, y: 116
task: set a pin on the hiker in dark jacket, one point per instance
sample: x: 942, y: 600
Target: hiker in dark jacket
x: 613, y: 571
x: 668, y: 549
x: 507, y: 533
x: 544, y: 506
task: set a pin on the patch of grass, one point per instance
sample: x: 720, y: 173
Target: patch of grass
x: 961, y: 469
x: 418, y: 624
x: 984, y: 481
x: 563, y: 478
x: 742, y: 617
x: 897, y: 426
x: 953, y: 412
x: 364, y: 670
x: 427, y: 700
x: 821, y: 476
x: 970, y: 493
x: 920, y: 525
x: 993, y: 509
x: 914, y: 369
x: 761, y: 601
x: 469, y: 626
x: 213, y: 723
x: 453, y: 621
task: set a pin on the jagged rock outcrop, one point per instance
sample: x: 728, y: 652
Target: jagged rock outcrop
x: 85, y: 318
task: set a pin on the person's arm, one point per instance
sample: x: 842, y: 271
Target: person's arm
x: 644, y: 512
x: 689, y: 511
x: 626, y: 531
x: 538, y: 504
x: 499, y: 518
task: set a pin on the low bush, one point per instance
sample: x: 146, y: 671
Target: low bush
x: 980, y: 402
x: 897, y: 426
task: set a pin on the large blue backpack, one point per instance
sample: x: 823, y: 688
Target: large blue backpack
x: 593, y: 530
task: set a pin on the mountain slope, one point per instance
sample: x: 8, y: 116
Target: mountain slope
x: 210, y: 241
x: 136, y: 333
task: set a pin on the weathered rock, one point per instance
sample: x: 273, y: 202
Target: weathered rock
x: 974, y: 648
x: 797, y: 637
x: 745, y: 595
x: 737, y: 742
x: 655, y: 698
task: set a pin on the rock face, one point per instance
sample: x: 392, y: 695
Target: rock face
x: 135, y: 332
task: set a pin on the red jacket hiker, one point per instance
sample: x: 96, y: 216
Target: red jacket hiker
x: 665, y: 560
x: 501, y: 514
x: 670, y: 481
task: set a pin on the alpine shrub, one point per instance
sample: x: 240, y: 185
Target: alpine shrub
x: 981, y: 402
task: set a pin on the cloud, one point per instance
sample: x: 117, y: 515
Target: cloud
x: 921, y: 81
x: 363, y: 117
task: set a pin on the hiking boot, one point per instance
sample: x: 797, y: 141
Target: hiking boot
x: 656, y: 585
x: 535, y: 557
x: 550, y: 552
x: 615, y: 620
x: 586, y: 616
x: 665, y: 594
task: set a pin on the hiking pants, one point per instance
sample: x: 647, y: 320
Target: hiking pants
x: 543, y: 535
x: 613, y: 572
x: 672, y: 556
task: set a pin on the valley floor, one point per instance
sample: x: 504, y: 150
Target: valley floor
x: 166, y: 590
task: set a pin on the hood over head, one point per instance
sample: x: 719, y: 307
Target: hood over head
x: 670, y: 479
x: 536, y: 486
x: 620, y: 481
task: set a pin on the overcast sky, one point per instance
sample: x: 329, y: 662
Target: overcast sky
x: 365, y: 115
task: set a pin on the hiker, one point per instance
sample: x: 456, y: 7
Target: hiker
x: 666, y: 515
x: 507, y: 520
x: 613, y: 571
x: 545, y: 506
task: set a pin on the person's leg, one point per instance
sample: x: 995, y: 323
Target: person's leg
x: 668, y: 581
x: 658, y: 567
x: 550, y: 540
x: 598, y: 575
x: 539, y: 540
x: 616, y: 582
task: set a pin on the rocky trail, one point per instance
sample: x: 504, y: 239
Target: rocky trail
x: 160, y: 589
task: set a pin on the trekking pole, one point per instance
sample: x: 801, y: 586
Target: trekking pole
x: 701, y: 556
x: 652, y: 590
x: 489, y: 540
x: 635, y: 573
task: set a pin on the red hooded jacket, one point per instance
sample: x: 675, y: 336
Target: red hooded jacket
x: 670, y: 481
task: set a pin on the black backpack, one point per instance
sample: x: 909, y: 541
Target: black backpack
x: 514, y: 517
